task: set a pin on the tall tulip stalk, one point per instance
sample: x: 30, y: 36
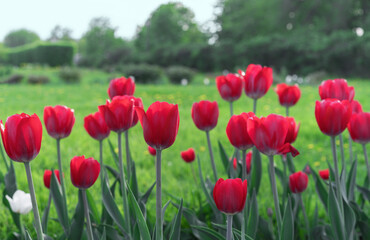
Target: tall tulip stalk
x: 230, y: 88
x: 288, y: 95
x: 160, y: 125
x: 24, y: 147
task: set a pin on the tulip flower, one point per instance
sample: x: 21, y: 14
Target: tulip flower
x: 257, y: 81
x: 20, y: 202
x: 324, y: 174
x: 188, y: 155
x: 96, y: 127
x: 152, y: 151
x: 337, y: 88
x: 59, y: 121
x: 229, y: 196
x: 121, y: 86
x: 84, y: 172
x: 21, y: 137
x: 47, y: 177
x: 292, y: 130
x: 138, y: 102
x: 160, y: 125
x: 230, y: 88
x: 237, y: 133
x: 248, y: 160
x: 235, y: 163
x: 356, y: 107
x: 288, y: 95
x: 298, y: 182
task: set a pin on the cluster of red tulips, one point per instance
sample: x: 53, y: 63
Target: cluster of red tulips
x: 271, y: 135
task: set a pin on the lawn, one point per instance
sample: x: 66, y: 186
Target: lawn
x: 177, y: 180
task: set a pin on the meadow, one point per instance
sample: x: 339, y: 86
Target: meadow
x: 177, y: 178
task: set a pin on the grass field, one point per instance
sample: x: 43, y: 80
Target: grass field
x: 177, y: 179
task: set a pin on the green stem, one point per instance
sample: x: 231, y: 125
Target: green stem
x: 367, y: 161
x: 285, y: 179
x: 87, y: 215
x: 35, y: 209
x: 101, y: 166
x: 231, y: 109
x: 62, y: 179
x: 336, y: 173
x: 274, y: 192
x: 342, y: 152
x: 229, y: 233
x: 128, y: 160
x: 287, y: 111
x: 305, y: 216
x: 159, y: 227
x: 3, y: 156
x: 350, y: 149
x: 254, y: 106
x: 244, y: 176
x: 212, y: 158
x: 47, y: 209
x: 123, y: 186
x: 193, y: 172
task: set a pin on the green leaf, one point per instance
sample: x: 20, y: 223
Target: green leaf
x: 92, y: 207
x: 224, y: 157
x: 287, y: 228
x: 208, y: 233
x: 351, y: 182
x: 192, y: 219
x: 349, y: 221
x: 144, y: 231
x: 251, y: 228
x: 176, y: 226
x: 256, y: 174
x: 320, y: 188
x: 364, y: 228
x: 145, y: 196
x: 114, y: 154
x: 113, y: 171
x: 133, y: 182
x: 45, y: 216
x: 77, y: 224
x: 335, y: 216
x: 27, y: 235
x: 289, y: 160
x: 56, y: 193
x: 237, y: 234
x: 365, y: 192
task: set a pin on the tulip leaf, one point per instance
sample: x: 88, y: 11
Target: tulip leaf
x: 145, y: 196
x: 45, y: 216
x: 320, y: 189
x: 289, y: 160
x: 144, y: 231
x: 287, y: 228
x: 133, y: 183
x: 114, y: 154
x: 114, y: 172
x: 335, y: 215
x: 193, y: 220
x: 92, y: 207
x: 27, y: 235
x: 208, y: 233
x: 364, y: 228
x: 224, y: 156
x: 176, y: 226
x: 237, y: 234
x: 349, y: 221
x: 256, y: 171
x: 364, y: 192
x: 56, y: 193
x: 77, y: 224
x: 253, y: 216
x: 351, y: 182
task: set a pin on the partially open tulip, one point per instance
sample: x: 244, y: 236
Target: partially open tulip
x: 237, y: 133
x: 152, y: 151
x: 138, y: 102
x: 59, y: 121
x: 292, y: 130
x: 205, y: 115
x: 20, y: 202
x: 298, y: 182
x: 288, y: 95
x: 230, y: 86
x: 160, y: 124
x: 324, y: 174
x: 337, y: 88
x: 257, y: 80
x: 230, y: 195
x: 84, y: 171
x: 22, y: 136
x: 356, y: 107
x: 269, y: 134
x: 47, y: 177
x: 121, y: 86
x: 188, y: 155
x: 359, y: 127
x: 118, y: 113
x: 96, y: 127
x: 332, y: 115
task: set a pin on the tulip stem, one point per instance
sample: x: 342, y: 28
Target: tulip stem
x: 367, y: 161
x: 211, y: 155
x: 305, y: 216
x: 244, y: 176
x: 193, y: 172
x: 336, y: 173
x: 287, y: 111
x: 87, y: 215
x: 101, y: 165
x: 159, y: 228
x: 35, y: 209
x: 229, y: 232
x: 123, y: 186
x: 62, y: 179
x: 231, y: 109
x: 342, y: 152
x: 274, y: 192
x: 254, y: 106
x: 285, y: 178
x: 128, y: 160
x: 350, y: 149
x: 3, y: 156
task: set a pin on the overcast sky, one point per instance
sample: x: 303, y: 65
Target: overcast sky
x: 41, y: 16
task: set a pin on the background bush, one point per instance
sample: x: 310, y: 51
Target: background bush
x: 14, y: 79
x: 38, y: 79
x: 176, y: 73
x: 143, y: 73
x: 70, y: 75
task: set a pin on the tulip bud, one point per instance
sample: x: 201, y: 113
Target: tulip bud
x: 121, y: 86
x: 96, y: 127
x: 205, y: 115
x: 152, y: 151
x: 257, y: 80
x: 288, y: 95
x: 20, y: 203
x: 324, y: 174
x: 298, y: 182
x: 337, y: 89
x: 188, y: 155
x: 230, y: 86
x: 248, y: 159
x: 307, y: 170
x: 59, y: 121
x: 47, y: 177
x: 359, y: 127
x: 84, y: 171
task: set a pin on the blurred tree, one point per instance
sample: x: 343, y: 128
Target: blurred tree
x: 20, y: 37
x: 58, y: 33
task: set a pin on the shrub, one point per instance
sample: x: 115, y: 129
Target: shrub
x: 38, y: 79
x: 70, y: 75
x: 14, y: 79
x: 176, y: 73
x: 143, y: 73
x: 5, y: 70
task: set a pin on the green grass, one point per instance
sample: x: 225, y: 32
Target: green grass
x: 177, y: 179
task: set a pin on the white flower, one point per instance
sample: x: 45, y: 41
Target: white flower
x: 21, y: 202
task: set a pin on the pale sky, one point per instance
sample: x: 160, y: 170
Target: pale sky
x: 41, y: 16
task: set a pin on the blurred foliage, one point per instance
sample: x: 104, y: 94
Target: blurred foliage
x: 38, y: 79
x: 20, y: 37
x: 143, y: 73
x: 59, y: 33
x: 177, y: 73
x: 70, y: 75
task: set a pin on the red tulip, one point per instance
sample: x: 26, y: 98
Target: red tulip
x: 237, y: 133
x: 359, y: 127
x: 257, y: 80
x: 84, y: 171
x: 137, y: 103
x: 288, y: 95
x: 118, y: 114
x: 324, y: 174
x: 96, y: 127
x: 205, y: 115
x: 332, y: 115
x: 298, y: 182
x: 269, y: 134
x: 248, y: 159
x: 235, y: 163
x: 307, y: 170
x: 292, y: 130
x: 230, y: 86
x: 160, y: 124
x: 230, y: 195
x: 188, y: 155
x: 121, y: 86
x: 337, y: 88
x: 22, y: 136
x: 47, y: 177
x: 356, y: 107
x: 152, y: 151
x: 59, y: 121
